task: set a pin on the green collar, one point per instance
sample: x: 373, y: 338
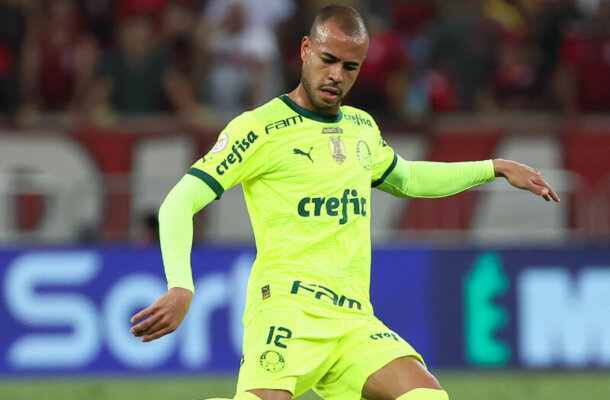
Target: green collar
x: 328, y: 118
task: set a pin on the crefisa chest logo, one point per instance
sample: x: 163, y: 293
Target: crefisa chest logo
x: 364, y: 154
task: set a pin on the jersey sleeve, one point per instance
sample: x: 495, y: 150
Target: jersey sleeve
x: 237, y: 156
x: 427, y: 179
x: 384, y: 161
x: 176, y: 229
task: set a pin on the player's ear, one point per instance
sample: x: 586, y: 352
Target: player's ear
x: 305, y: 47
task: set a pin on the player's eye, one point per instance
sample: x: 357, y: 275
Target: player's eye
x: 328, y: 60
x: 351, y: 67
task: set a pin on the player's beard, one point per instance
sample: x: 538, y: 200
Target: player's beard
x: 311, y: 94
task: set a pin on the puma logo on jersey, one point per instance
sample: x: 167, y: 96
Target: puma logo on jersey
x: 301, y: 152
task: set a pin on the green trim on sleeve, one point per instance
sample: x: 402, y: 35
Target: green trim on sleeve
x: 209, y: 180
x: 387, y: 172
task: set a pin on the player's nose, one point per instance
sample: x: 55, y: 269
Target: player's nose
x: 336, y: 73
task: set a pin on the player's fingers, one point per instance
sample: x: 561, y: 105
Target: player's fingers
x: 142, y: 314
x: 550, y: 192
x: 538, y: 189
x: 159, y: 333
x: 145, y: 326
x: 553, y: 194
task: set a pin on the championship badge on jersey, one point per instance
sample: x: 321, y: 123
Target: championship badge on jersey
x: 337, y: 149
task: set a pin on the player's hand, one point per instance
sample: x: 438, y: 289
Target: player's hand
x: 523, y: 177
x: 163, y: 316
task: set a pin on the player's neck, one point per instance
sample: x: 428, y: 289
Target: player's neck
x: 299, y: 96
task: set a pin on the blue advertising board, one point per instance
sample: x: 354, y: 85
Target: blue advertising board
x: 68, y: 310
x: 528, y: 307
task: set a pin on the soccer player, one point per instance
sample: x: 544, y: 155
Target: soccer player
x: 307, y: 165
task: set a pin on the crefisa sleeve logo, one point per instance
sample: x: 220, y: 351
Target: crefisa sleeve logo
x: 364, y: 154
x: 238, y: 150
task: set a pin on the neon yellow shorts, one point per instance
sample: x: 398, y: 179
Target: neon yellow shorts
x: 287, y: 348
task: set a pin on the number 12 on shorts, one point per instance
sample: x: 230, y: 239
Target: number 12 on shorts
x: 282, y: 333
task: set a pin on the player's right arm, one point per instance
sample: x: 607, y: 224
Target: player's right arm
x: 239, y: 155
x: 187, y: 198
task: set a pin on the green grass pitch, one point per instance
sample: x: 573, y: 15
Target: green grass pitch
x: 461, y: 385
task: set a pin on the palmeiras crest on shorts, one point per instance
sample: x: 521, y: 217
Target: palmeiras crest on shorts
x: 337, y: 149
x: 364, y: 155
x: 272, y: 361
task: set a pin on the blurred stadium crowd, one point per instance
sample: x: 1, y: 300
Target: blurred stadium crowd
x: 206, y: 61
x: 93, y: 93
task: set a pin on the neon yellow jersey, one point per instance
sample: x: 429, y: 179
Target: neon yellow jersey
x: 307, y: 181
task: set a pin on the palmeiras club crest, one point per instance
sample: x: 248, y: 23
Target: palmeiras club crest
x: 272, y: 361
x: 364, y: 155
x: 337, y: 149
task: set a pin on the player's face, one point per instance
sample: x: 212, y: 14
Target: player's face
x: 331, y: 62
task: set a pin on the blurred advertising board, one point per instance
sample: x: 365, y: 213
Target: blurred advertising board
x: 67, y: 310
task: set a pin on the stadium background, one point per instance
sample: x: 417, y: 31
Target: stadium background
x: 104, y: 104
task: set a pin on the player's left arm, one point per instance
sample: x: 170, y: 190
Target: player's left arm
x: 427, y: 179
